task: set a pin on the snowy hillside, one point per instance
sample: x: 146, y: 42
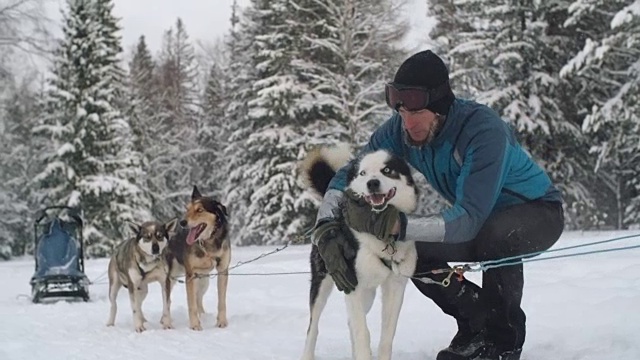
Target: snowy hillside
x: 582, y: 308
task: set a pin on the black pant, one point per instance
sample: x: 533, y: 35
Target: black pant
x: 520, y: 229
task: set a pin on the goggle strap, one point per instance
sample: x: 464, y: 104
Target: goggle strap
x: 440, y: 92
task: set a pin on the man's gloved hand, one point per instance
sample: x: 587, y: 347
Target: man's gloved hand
x: 335, y: 250
x: 359, y: 215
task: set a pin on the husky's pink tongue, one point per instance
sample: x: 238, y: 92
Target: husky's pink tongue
x: 193, y: 235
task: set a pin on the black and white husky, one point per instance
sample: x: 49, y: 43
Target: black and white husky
x: 383, y: 180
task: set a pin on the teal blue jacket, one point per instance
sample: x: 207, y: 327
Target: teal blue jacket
x: 475, y: 162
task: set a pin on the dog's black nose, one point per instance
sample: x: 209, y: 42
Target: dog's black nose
x: 373, y: 184
x: 155, y: 249
x: 183, y: 223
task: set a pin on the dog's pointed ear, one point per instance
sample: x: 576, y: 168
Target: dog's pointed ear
x: 134, y: 227
x: 222, y: 208
x: 171, y: 225
x: 195, y: 195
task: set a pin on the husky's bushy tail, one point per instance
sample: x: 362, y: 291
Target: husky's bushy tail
x: 320, y: 165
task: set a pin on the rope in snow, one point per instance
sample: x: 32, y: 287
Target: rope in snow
x: 241, y: 263
x: 490, y: 264
x: 459, y: 270
x: 97, y: 280
x: 100, y: 279
x: 265, y: 274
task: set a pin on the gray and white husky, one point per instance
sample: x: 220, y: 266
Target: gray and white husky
x: 137, y: 262
x: 382, y: 179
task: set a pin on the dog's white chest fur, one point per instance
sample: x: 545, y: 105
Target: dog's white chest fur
x: 150, y: 264
x: 374, y: 258
x: 382, y: 179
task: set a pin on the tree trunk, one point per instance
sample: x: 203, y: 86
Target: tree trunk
x: 619, y: 204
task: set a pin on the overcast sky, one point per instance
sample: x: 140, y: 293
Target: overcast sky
x: 205, y: 20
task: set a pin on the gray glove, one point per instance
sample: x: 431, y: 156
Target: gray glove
x: 334, y: 247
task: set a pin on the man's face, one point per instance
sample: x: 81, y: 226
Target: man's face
x: 421, y: 125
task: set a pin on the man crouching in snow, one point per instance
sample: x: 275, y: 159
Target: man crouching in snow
x: 503, y: 205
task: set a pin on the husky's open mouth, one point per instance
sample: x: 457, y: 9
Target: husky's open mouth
x: 195, y: 232
x: 379, y: 202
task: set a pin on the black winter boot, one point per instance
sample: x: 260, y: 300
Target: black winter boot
x: 466, y: 344
x: 491, y: 352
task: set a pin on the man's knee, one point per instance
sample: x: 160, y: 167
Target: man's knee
x: 520, y: 230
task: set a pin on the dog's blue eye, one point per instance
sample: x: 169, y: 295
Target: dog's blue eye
x: 386, y: 170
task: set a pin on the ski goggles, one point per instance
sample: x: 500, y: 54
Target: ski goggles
x: 413, y: 98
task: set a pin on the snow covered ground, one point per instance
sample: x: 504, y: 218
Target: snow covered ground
x: 578, y: 308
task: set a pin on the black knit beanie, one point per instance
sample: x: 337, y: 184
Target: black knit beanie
x: 426, y: 69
